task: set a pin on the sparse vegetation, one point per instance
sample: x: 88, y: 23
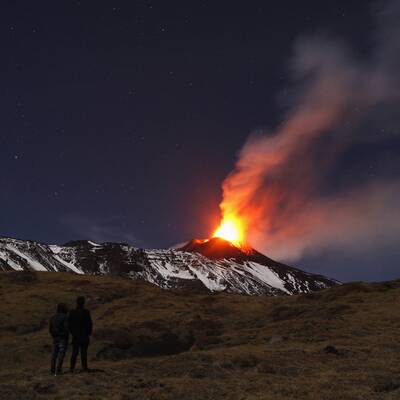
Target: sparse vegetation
x: 149, y: 343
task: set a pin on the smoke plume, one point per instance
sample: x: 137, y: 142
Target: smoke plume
x: 290, y: 186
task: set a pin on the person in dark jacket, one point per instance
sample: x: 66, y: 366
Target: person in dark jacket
x: 80, y: 326
x: 58, y: 329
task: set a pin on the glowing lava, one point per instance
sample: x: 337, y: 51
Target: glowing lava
x: 231, y: 229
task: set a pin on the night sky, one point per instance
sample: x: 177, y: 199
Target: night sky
x: 121, y: 119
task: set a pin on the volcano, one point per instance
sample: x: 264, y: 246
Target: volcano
x: 206, y: 265
x: 215, y: 249
x: 283, y: 277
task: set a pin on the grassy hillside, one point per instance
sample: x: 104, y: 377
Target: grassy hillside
x: 341, y: 343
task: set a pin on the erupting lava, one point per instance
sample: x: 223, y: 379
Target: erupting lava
x: 232, y: 230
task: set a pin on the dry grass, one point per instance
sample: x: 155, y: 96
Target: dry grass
x: 150, y: 343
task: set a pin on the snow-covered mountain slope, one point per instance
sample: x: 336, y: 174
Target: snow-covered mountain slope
x: 214, y: 265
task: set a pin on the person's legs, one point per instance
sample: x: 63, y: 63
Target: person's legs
x: 84, y: 348
x: 54, y: 356
x: 62, y: 348
x: 74, y: 354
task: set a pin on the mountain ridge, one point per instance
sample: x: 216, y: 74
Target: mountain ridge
x: 209, y: 265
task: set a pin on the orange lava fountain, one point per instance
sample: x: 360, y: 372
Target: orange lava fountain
x: 232, y: 230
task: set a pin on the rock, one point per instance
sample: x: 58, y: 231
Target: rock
x: 275, y: 339
x: 198, y: 373
x: 183, y: 313
x: 167, y: 343
x: 25, y: 329
x: 112, y: 353
x: 331, y: 350
x: 387, y: 385
x: 245, y: 361
x: 151, y: 384
x: 337, y: 352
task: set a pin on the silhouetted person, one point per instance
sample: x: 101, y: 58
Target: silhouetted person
x: 58, y: 329
x: 80, y: 326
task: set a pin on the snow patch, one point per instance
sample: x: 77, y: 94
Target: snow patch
x: 32, y: 263
x: 71, y: 266
x: 266, y: 275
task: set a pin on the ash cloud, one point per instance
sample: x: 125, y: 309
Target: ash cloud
x: 291, y: 185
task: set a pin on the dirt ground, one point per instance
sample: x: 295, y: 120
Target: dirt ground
x: 148, y: 343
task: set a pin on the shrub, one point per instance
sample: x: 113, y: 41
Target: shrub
x: 245, y: 361
x: 22, y: 277
x: 283, y: 312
